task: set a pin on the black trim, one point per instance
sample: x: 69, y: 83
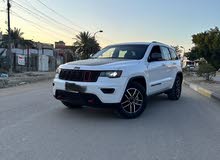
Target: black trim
x: 108, y: 90
x: 86, y: 99
x: 158, y: 93
x: 79, y: 75
x: 153, y: 85
x: 137, y: 77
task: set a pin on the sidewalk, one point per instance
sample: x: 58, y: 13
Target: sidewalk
x: 25, y: 78
x: 209, y: 89
x: 217, y: 78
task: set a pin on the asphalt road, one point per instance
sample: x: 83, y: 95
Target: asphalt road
x: 34, y: 126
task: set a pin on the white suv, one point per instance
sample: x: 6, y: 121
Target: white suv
x: 122, y: 75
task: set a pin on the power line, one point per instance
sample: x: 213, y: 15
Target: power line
x: 60, y: 15
x: 47, y: 19
x: 41, y: 15
x: 37, y: 26
x: 61, y: 33
x: 65, y: 17
x: 50, y: 18
x: 37, y: 16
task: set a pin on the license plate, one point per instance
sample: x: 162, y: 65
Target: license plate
x: 72, y: 87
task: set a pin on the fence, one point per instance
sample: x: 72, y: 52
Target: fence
x: 33, y: 60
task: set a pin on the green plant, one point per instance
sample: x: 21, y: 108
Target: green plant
x: 85, y: 45
x: 207, y: 71
x: 207, y: 46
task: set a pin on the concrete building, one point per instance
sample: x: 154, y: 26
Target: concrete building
x: 64, y: 53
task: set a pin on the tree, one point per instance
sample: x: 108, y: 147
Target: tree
x: 86, y: 45
x: 207, y: 71
x: 16, y: 36
x: 26, y: 43
x: 192, y: 56
x: 16, y: 39
x: 207, y: 45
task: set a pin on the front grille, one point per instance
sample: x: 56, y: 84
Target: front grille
x: 79, y: 75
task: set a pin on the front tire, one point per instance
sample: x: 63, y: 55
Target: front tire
x: 133, y: 102
x: 175, y: 92
x: 71, y: 105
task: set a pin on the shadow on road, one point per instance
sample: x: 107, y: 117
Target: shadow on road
x: 155, y: 105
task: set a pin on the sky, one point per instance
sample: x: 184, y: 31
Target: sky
x: 172, y: 21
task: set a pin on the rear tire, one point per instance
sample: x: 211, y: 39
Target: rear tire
x: 71, y: 105
x: 175, y: 92
x: 133, y: 102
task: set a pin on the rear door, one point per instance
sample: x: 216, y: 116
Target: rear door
x: 175, y: 64
x: 169, y: 65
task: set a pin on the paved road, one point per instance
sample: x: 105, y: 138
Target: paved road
x: 34, y: 126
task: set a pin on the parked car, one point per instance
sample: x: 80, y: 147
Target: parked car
x: 120, y: 75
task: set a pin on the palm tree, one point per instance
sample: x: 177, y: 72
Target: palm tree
x: 86, y: 45
x: 16, y: 36
x: 17, y: 39
x: 27, y: 43
x: 16, y: 33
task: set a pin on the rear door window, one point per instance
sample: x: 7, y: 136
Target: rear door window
x: 173, y: 54
x: 165, y: 53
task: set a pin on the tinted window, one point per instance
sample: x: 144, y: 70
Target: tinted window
x: 173, y: 54
x: 165, y: 53
x: 122, y: 52
x: 155, y: 50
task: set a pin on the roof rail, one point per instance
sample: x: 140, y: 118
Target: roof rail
x: 156, y: 42
x: 160, y: 43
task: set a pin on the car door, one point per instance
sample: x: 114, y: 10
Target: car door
x: 157, y: 71
x: 176, y: 63
x: 168, y: 63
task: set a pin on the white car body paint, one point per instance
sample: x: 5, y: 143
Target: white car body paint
x: 159, y: 76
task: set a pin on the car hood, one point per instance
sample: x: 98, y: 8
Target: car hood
x: 101, y: 63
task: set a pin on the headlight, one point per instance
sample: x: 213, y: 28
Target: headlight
x: 58, y: 70
x: 111, y: 74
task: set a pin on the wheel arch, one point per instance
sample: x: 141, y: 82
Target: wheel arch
x: 139, y: 79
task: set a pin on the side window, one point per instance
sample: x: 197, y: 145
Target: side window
x: 173, y: 55
x: 155, y: 54
x: 165, y: 53
x: 155, y: 49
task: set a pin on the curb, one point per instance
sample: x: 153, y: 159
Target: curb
x: 27, y: 81
x: 202, y: 91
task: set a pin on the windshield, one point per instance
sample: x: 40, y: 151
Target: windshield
x: 122, y: 52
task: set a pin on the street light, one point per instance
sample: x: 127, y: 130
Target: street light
x: 100, y: 31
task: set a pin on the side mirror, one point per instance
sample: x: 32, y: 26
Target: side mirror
x: 155, y: 57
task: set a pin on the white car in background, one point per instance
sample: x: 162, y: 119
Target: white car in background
x: 120, y: 75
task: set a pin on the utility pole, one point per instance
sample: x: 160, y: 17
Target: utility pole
x: 9, y: 53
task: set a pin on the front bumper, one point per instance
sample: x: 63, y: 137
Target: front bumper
x: 95, y: 89
x: 81, y: 99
